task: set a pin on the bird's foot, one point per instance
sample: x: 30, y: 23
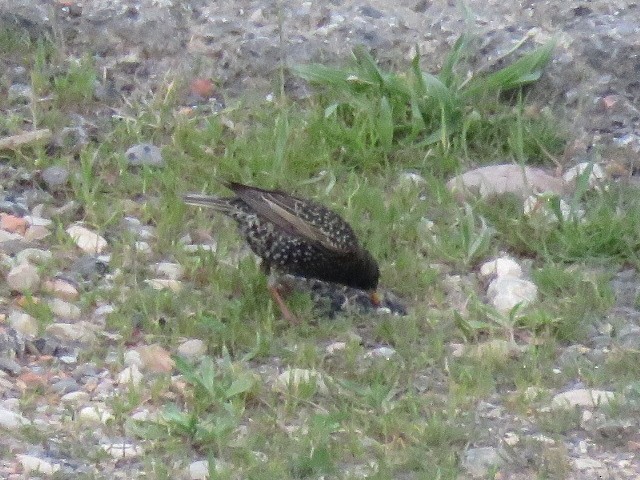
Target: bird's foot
x: 286, y: 313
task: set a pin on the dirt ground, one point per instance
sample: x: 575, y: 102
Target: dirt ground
x: 592, y: 83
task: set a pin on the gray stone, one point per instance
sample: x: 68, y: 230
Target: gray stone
x: 192, y: 349
x: 65, y: 310
x: 11, y: 420
x: 55, y: 177
x: 144, y: 154
x: 478, y: 461
x: 66, y: 385
x: 33, y: 255
x: 24, y: 323
x: 23, y: 278
x: 19, y: 93
x: 10, y: 366
x: 35, y: 465
x: 582, y: 397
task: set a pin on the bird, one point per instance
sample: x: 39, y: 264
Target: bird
x: 296, y: 236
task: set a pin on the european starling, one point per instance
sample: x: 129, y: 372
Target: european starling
x: 297, y: 236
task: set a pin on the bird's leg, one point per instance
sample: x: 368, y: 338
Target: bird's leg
x: 273, y: 286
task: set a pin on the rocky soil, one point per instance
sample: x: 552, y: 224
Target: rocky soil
x: 592, y: 83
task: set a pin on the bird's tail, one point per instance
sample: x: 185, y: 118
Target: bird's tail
x: 217, y: 203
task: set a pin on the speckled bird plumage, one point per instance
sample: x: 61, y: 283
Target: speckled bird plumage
x: 296, y: 236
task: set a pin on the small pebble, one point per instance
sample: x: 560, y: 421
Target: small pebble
x: 23, y: 323
x: 97, y: 413
x: 71, y: 331
x: 23, y: 278
x: 12, y: 223
x: 88, y: 241
x: 33, y: 255
x: 66, y: 385
x: 19, y: 93
x: 61, y: 288
x: 130, y: 375
x: 144, y: 154
x: 35, y: 221
x: 172, y: 271
x: 123, y: 450
x: 36, y: 232
x: 165, y: 283
x: 64, y: 310
x: 382, y: 352
x: 199, y: 470
x: 291, y: 379
x: 55, y: 177
x: 192, y: 349
x: 10, y: 366
x: 11, y: 420
x: 75, y: 397
x: 582, y: 397
x: 32, y: 464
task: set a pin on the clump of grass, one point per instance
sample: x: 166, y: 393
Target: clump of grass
x: 371, y: 113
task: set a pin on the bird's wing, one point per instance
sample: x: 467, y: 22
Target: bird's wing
x: 279, y: 208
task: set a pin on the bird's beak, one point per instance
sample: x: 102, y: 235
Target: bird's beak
x: 375, y: 297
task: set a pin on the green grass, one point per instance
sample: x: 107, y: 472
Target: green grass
x: 348, y: 146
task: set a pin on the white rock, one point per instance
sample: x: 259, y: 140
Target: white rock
x: 511, y: 438
x: 197, y: 247
x: 35, y: 233
x: 507, y: 292
x: 9, y: 236
x: 123, y: 450
x: 33, y: 255
x: 596, y: 176
x: 199, y: 470
x: 582, y: 397
x: 88, y: 241
x: 36, y: 465
x: 539, y: 206
x: 61, y: 288
x: 95, y: 414
x: 104, y: 310
x: 23, y: 323
x: 411, y: 179
x: 38, y: 221
x: 291, y: 379
x: 192, y: 348
x: 65, y: 310
x: 69, y: 359
x: 130, y: 375
x: 11, y: 420
x: 164, y: 283
x: 381, y: 352
x: 143, y: 248
x: 507, y: 178
x: 144, y: 154
x: 132, y: 357
x: 173, y: 271
x: 80, y: 331
x: 144, y: 415
x: 501, y: 267
x: 23, y: 278
x: 75, y: 397
x: 336, y: 347
x: 478, y: 461
x: 583, y: 463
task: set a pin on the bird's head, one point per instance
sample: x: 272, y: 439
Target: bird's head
x: 366, y: 274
